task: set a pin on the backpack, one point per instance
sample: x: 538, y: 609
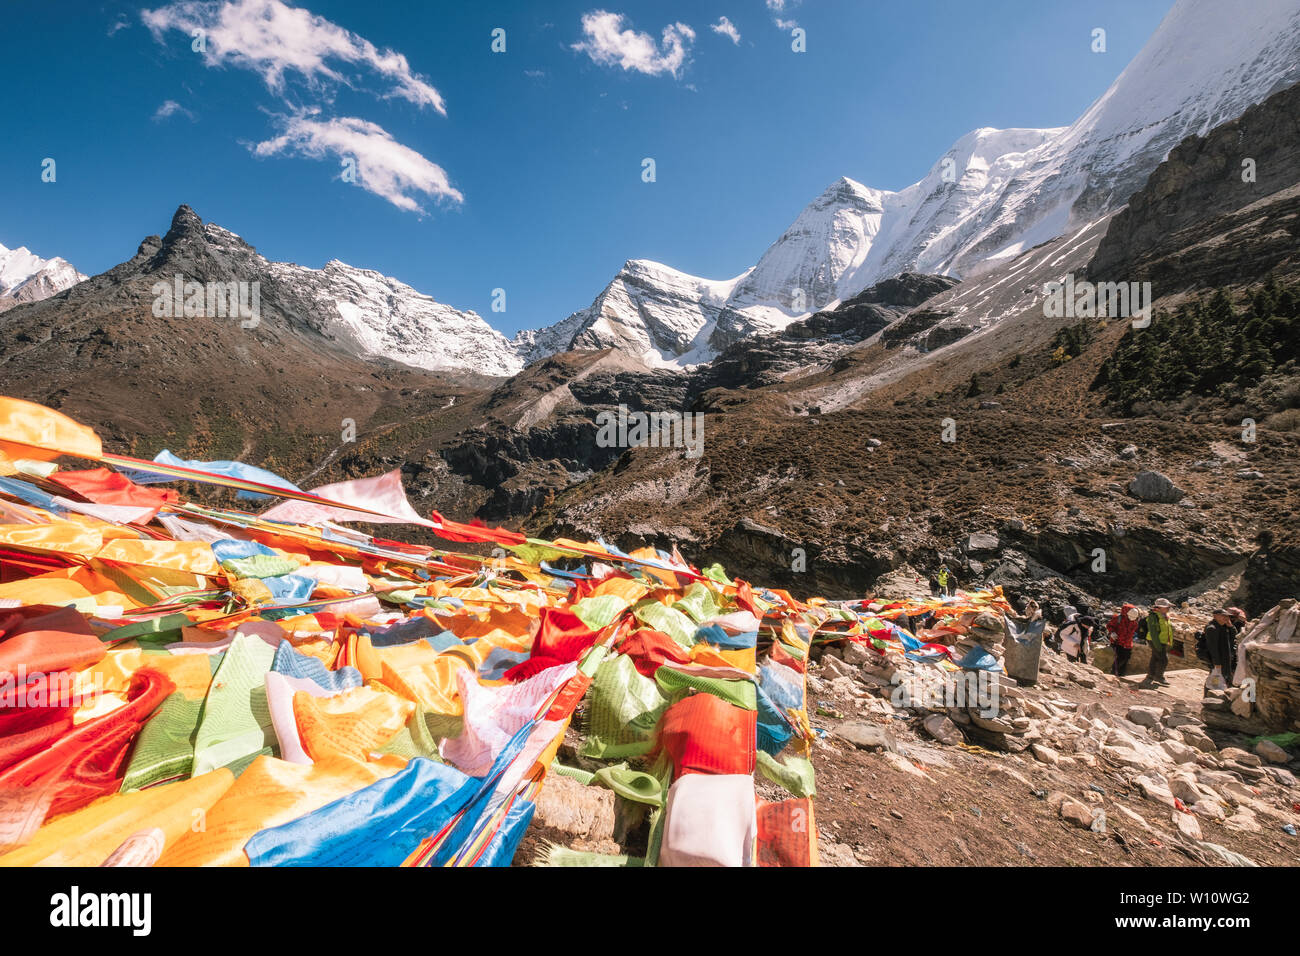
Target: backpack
x: 1203, y: 645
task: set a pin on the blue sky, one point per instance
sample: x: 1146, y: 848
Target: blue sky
x: 531, y: 179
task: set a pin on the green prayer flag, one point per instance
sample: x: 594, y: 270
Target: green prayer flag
x: 165, y: 748
x: 623, y: 710
x: 236, y: 719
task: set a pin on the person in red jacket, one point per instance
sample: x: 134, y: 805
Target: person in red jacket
x: 1120, y: 628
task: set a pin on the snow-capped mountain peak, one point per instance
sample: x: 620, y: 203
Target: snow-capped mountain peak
x: 26, y: 277
x: 387, y: 318
x: 801, y: 271
x: 369, y: 314
x: 994, y: 194
x: 650, y: 311
x: 373, y: 315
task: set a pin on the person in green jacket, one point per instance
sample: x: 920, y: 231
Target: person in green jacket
x: 946, y: 584
x: 1159, y: 634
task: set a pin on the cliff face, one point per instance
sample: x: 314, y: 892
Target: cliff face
x: 1224, y: 208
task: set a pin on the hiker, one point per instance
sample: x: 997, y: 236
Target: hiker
x: 1089, y: 626
x: 1053, y: 639
x: 1239, y: 621
x: 1157, y: 630
x: 1220, y: 639
x: 1071, y: 638
x: 946, y: 581
x: 1121, y: 627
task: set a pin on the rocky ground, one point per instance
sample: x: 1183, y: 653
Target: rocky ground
x: 1094, y: 771
x: 1077, y: 768
x: 863, y: 493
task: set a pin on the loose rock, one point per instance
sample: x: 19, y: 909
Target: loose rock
x: 1236, y: 755
x: 1153, y: 486
x: 1145, y: 716
x: 866, y: 736
x: 942, y: 729
x: 1080, y: 814
x: 1187, y: 825
x: 1045, y: 754
x: 1271, y: 752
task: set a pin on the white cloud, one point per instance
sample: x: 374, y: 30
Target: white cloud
x: 610, y: 45
x: 273, y: 39
x: 781, y: 6
x: 384, y: 166
x: 170, y: 108
x: 727, y: 29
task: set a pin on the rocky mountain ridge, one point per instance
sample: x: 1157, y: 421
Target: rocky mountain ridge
x: 993, y: 195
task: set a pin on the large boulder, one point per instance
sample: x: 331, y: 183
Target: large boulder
x: 981, y: 542
x: 1155, y: 487
x: 1271, y: 752
x: 584, y: 811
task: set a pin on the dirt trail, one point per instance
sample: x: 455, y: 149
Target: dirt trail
x: 967, y: 806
